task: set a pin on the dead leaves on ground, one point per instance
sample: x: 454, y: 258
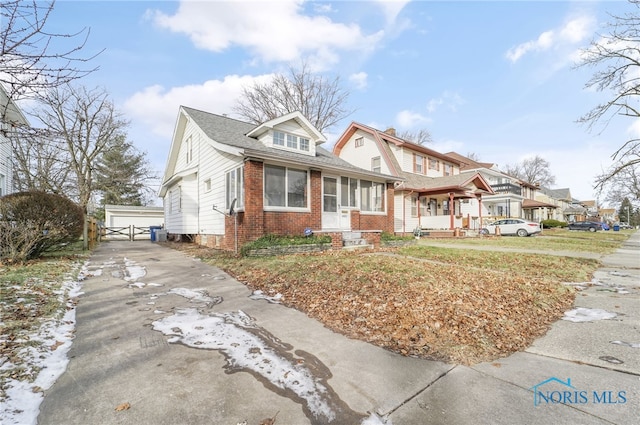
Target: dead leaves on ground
x: 122, y: 406
x: 413, y: 307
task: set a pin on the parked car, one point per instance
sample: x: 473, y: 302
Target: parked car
x: 512, y: 226
x: 625, y: 226
x: 591, y: 226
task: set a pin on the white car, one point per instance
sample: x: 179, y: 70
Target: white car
x: 512, y: 226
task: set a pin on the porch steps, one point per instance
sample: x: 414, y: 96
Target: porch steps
x: 354, y: 240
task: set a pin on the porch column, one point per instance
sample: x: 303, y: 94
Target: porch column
x: 480, y: 211
x: 451, y: 212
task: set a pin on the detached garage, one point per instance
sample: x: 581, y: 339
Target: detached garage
x: 129, y: 222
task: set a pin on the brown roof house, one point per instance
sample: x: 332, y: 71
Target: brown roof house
x: 433, y: 194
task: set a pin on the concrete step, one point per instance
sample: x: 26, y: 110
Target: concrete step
x: 351, y: 235
x: 354, y: 242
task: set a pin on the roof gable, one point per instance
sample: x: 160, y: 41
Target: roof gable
x: 233, y: 136
x: 296, y: 116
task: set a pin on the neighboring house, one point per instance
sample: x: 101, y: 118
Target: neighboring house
x: 10, y: 117
x: 512, y: 198
x: 276, y: 176
x: 433, y: 193
x: 610, y: 215
x: 126, y: 216
x: 568, y: 209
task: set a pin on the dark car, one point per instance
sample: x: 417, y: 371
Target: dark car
x: 591, y: 226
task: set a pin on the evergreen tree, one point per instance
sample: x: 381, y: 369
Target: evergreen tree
x: 121, y: 173
x: 626, y: 212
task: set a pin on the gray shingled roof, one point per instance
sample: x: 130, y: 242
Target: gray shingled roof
x: 233, y: 132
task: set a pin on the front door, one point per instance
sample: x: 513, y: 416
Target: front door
x: 333, y: 216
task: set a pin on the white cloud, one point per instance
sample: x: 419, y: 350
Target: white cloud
x: 392, y: 8
x: 359, y: 80
x: 410, y: 119
x: 157, y: 107
x: 572, y: 32
x: 448, y: 99
x: 278, y: 31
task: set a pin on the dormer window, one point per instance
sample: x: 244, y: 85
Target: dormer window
x: 290, y: 141
x: 278, y: 138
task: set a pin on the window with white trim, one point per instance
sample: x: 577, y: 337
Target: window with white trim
x: 359, y: 142
x: 234, y: 185
x: 375, y: 164
x: 348, y: 192
x: 434, y: 164
x: 414, y: 206
x: 418, y: 166
x: 371, y: 196
x: 207, y: 185
x: 290, y: 141
x: 424, y: 206
x: 278, y: 138
x: 448, y: 170
x: 285, y: 187
x: 189, y: 150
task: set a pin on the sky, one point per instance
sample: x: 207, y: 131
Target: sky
x: 492, y: 78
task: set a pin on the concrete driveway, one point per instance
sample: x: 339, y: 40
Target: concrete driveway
x: 164, y: 339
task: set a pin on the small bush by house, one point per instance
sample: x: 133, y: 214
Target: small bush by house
x: 32, y: 223
x: 268, y: 242
x: 548, y: 224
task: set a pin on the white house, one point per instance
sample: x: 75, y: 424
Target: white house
x: 10, y: 117
x: 276, y: 176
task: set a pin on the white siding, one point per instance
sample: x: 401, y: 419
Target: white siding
x: 402, y: 207
x: 214, y: 167
x: 6, y: 175
x: 361, y: 156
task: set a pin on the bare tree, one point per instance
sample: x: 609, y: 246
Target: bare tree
x: 40, y: 162
x: 84, y: 122
x: 616, y: 57
x: 532, y: 170
x: 321, y: 100
x: 31, y: 60
x: 625, y: 184
x: 419, y: 137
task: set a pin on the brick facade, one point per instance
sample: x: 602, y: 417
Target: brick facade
x: 254, y: 222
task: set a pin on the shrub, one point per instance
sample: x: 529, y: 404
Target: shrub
x: 547, y: 224
x: 32, y: 223
x: 276, y: 240
x: 387, y: 237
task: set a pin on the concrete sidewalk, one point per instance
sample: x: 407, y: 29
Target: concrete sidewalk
x: 271, y: 360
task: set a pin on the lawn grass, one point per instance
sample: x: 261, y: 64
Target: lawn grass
x: 564, y: 269
x: 31, y: 294
x: 551, y: 239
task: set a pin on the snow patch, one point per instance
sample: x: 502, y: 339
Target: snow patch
x: 582, y: 314
x: 259, y: 295
x: 21, y: 406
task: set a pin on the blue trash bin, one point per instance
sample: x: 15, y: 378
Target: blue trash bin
x: 616, y: 227
x: 152, y: 231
